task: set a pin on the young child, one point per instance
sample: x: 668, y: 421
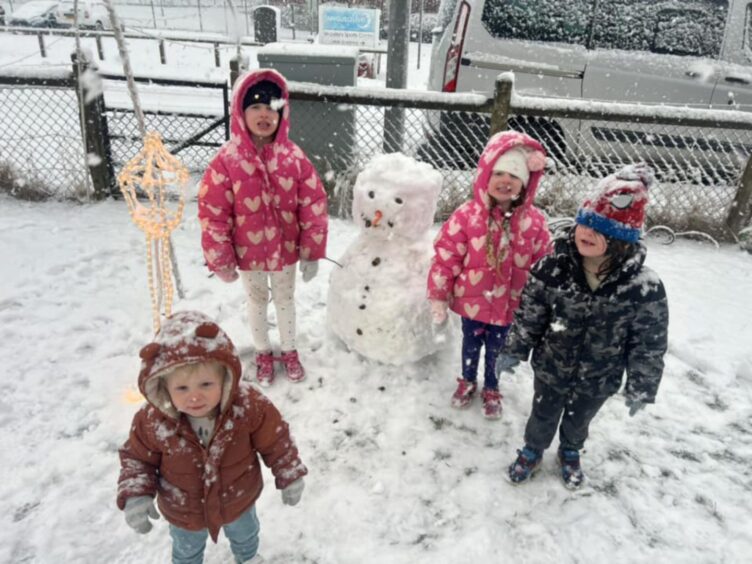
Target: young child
x: 483, y: 255
x: 195, y: 443
x: 590, y: 311
x: 262, y: 207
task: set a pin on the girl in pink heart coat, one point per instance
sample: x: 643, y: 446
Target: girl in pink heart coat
x: 484, y: 253
x: 262, y: 207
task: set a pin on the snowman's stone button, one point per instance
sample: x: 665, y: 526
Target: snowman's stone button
x: 362, y: 306
x: 376, y: 261
x: 359, y: 331
x: 367, y: 288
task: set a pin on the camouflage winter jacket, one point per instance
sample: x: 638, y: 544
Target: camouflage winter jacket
x: 583, y: 340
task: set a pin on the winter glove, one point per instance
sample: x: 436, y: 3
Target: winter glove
x: 438, y: 311
x: 505, y: 363
x: 138, y: 510
x: 308, y: 268
x: 291, y: 494
x: 227, y: 275
x: 634, y: 405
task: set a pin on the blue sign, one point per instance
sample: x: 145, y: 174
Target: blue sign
x: 349, y: 19
x: 349, y: 26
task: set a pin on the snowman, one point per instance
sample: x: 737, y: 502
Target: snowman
x: 377, y: 300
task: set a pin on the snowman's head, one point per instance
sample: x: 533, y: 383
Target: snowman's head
x: 396, y: 195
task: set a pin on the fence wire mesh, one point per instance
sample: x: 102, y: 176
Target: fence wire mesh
x: 41, y: 150
x: 697, y: 168
x: 176, y: 129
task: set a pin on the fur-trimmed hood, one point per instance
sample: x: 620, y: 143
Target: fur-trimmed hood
x: 186, y: 337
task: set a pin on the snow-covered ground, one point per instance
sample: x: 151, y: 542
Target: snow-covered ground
x: 396, y: 475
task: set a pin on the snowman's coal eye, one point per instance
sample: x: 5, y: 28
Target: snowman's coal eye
x: 372, y: 194
x: 398, y: 200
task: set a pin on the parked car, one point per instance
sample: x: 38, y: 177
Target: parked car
x: 91, y: 14
x: 38, y: 13
x: 693, y: 53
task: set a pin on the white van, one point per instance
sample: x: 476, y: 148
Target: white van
x: 91, y: 13
x: 694, y: 53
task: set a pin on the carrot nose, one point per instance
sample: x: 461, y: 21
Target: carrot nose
x: 377, y: 217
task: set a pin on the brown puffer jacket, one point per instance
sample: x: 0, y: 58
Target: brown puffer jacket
x: 198, y: 487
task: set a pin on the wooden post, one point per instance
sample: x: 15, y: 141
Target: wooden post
x: 741, y: 208
x: 95, y: 132
x: 162, y: 54
x: 502, y: 101
x: 237, y: 68
x: 216, y: 55
x: 42, y: 50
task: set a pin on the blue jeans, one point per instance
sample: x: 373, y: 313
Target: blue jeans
x: 188, y: 546
x: 475, y: 335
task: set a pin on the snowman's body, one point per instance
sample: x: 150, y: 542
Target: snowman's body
x: 377, y: 301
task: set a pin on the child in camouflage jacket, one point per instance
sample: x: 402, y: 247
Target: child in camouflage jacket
x: 589, y: 312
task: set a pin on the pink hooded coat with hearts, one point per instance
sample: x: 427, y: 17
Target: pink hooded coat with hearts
x: 261, y: 209
x: 461, y: 273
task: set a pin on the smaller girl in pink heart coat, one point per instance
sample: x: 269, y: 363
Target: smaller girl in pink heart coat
x: 262, y: 208
x: 484, y: 253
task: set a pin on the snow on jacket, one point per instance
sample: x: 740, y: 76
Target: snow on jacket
x: 460, y: 272
x: 582, y: 339
x: 261, y: 209
x: 201, y: 487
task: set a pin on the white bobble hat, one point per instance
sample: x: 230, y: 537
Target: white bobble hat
x: 514, y: 161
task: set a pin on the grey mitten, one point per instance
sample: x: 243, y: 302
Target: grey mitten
x: 634, y: 405
x: 505, y: 363
x: 138, y: 510
x: 291, y: 494
x: 308, y: 268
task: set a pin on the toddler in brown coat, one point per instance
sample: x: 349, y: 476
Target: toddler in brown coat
x: 194, y: 445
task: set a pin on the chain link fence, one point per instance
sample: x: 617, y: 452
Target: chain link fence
x: 698, y: 167
x: 698, y: 160
x: 175, y: 128
x: 41, y: 150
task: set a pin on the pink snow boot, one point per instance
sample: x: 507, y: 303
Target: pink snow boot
x: 265, y: 368
x: 491, y: 403
x: 295, y: 372
x: 463, y: 395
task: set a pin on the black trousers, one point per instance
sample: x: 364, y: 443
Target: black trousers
x: 575, y: 411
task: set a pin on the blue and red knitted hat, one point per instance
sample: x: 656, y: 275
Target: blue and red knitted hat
x: 617, y: 210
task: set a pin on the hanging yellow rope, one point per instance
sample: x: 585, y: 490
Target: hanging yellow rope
x: 161, y: 178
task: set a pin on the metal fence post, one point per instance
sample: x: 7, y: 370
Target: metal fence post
x: 398, y: 45
x: 741, y: 208
x: 94, y: 131
x: 42, y: 49
x: 502, y: 101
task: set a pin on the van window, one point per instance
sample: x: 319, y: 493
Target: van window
x: 679, y: 27
x: 539, y: 20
